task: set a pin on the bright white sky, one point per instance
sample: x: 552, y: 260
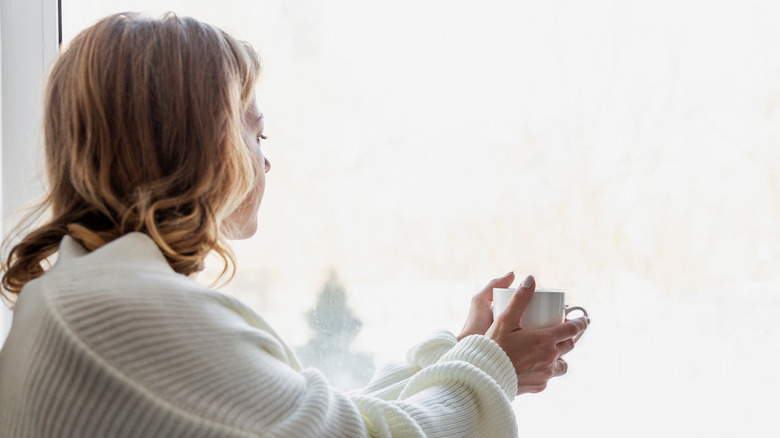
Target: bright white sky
x: 627, y: 151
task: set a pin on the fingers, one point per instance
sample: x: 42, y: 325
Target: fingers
x: 503, y: 281
x: 536, y: 381
x: 565, y: 346
x: 561, y: 367
x: 568, y: 329
x: 519, y: 302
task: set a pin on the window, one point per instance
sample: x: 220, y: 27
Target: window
x: 29, y: 43
x: 626, y: 152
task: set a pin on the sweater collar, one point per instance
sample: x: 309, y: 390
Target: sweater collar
x: 136, y: 249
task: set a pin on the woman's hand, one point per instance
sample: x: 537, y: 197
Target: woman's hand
x: 481, y: 313
x: 535, y: 354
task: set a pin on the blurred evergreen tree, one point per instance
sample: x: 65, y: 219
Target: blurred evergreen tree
x: 335, y: 328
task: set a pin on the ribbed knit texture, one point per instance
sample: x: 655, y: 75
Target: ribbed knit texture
x: 113, y: 343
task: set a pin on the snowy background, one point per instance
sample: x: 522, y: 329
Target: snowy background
x: 627, y: 151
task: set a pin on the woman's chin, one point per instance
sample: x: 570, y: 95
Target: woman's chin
x: 243, y: 232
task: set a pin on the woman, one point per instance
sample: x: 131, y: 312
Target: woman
x: 152, y: 136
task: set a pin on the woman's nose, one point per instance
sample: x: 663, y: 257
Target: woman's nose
x: 267, y: 165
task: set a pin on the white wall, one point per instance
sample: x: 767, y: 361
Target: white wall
x: 28, y: 33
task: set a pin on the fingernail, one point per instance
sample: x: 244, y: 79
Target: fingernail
x: 509, y: 273
x: 528, y: 282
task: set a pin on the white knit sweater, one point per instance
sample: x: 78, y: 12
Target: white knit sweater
x: 114, y: 343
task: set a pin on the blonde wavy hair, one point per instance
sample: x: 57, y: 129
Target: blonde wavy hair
x: 143, y: 132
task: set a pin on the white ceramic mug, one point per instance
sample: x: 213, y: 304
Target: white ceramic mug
x: 546, y: 309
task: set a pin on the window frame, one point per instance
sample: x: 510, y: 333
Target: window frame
x: 30, y: 33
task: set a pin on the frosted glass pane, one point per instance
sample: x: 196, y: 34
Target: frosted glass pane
x: 626, y: 151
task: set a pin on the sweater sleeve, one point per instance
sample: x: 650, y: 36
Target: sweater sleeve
x: 444, y: 388
x: 198, y: 363
x: 466, y: 392
x: 388, y: 382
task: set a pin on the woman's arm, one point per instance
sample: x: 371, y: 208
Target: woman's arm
x: 445, y: 388
x: 130, y: 353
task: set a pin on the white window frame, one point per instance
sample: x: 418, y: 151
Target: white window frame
x: 29, y: 40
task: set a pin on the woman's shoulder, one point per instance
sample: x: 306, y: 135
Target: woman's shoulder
x: 131, y: 266
x: 127, y: 277
x: 126, y: 294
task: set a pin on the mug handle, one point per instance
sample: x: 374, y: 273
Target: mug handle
x: 581, y: 309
